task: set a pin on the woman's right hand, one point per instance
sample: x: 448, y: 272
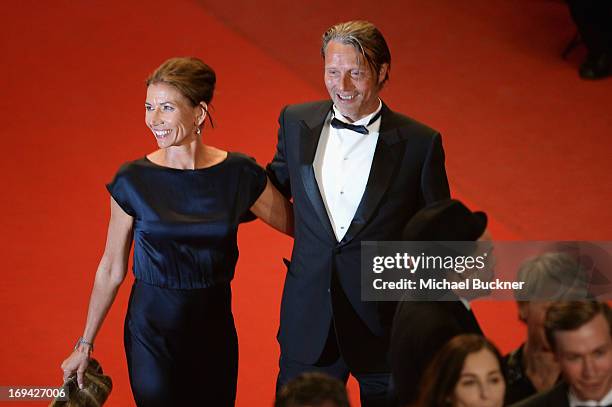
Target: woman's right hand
x: 77, y: 363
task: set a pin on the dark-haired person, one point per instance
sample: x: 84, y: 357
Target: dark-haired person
x: 467, y: 372
x: 181, y: 206
x: 580, y: 334
x: 532, y: 367
x: 593, y: 18
x: 312, y: 390
x: 356, y: 171
x: 421, y: 328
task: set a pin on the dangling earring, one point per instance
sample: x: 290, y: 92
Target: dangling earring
x: 198, y: 130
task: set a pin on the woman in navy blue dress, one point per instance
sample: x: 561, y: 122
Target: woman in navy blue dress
x: 181, y: 206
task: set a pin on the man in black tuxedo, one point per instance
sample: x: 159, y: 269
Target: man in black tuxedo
x: 356, y: 171
x: 422, y: 328
x: 580, y: 334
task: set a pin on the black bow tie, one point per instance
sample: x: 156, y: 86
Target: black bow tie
x: 338, y: 124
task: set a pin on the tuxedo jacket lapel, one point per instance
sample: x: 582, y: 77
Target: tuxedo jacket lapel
x: 381, y: 174
x: 465, y: 317
x: 558, y: 395
x: 310, y: 133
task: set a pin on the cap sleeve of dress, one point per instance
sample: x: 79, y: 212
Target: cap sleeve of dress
x: 121, y: 189
x: 252, y: 183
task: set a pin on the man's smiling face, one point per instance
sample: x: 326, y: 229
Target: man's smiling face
x: 352, y: 84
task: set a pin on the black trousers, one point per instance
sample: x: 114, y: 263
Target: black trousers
x: 366, y: 352
x: 375, y: 389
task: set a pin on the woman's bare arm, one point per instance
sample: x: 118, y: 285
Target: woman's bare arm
x: 109, y: 276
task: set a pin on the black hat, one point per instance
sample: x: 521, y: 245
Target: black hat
x: 446, y: 220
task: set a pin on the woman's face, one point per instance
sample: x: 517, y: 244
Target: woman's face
x: 481, y: 383
x: 534, y: 315
x: 170, y: 116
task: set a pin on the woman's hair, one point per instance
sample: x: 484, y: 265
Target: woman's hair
x: 442, y: 375
x: 192, y: 77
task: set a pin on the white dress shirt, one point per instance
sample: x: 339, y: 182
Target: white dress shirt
x: 342, y: 166
x: 575, y: 401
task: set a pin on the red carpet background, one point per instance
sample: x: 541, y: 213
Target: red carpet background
x: 526, y: 141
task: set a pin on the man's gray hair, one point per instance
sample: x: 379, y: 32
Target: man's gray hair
x: 552, y: 276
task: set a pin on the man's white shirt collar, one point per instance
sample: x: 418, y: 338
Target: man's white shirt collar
x: 575, y: 401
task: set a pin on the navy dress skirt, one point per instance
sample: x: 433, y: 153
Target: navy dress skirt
x: 180, y: 339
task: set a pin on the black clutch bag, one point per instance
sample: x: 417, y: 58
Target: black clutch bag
x: 97, y: 388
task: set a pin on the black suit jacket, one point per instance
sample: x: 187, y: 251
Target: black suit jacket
x: 555, y: 397
x: 420, y: 330
x: 407, y: 173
